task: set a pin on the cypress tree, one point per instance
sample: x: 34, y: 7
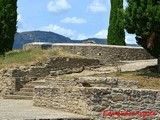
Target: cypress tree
x: 8, y: 21
x: 116, y: 34
x: 142, y: 17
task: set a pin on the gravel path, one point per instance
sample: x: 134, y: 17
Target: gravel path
x: 137, y: 65
x: 24, y: 110
x: 124, y: 66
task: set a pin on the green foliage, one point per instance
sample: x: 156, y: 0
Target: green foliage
x: 8, y: 21
x: 116, y: 34
x: 142, y: 17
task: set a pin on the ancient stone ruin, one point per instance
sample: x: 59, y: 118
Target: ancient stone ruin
x: 95, y: 97
x: 105, y: 53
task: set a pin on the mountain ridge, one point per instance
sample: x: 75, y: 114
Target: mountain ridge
x: 22, y: 38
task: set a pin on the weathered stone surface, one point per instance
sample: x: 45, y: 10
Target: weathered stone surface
x: 90, y: 101
x: 14, y: 79
x: 112, y: 82
x: 118, y: 97
x: 128, y: 84
x: 105, y: 53
x: 84, y: 95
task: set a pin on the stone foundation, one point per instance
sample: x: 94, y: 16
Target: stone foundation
x: 92, y: 101
x: 109, y: 82
x: 7, y: 82
x: 105, y: 53
x: 13, y: 79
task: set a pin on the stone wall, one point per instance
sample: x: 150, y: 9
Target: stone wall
x: 111, y: 82
x: 7, y: 82
x: 12, y: 80
x: 105, y: 53
x: 92, y: 101
x: 37, y: 45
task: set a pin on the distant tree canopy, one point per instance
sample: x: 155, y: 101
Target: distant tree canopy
x: 8, y: 21
x: 142, y: 17
x: 116, y: 34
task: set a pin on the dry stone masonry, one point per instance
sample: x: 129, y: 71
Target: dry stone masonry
x: 99, y: 98
x: 7, y: 82
x: 13, y: 80
x: 105, y: 53
x: 92, y: 100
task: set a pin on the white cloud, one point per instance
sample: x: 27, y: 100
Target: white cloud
x: 59, y: 30
x: 22, y: 25
x: 19, y: 18
x: 74, y: 35
x: 101, y: 34
x: 96, y: 6
x: 58, y: 6
x: 130, y: 39
x: 73, y: 20
x: 81, y: 37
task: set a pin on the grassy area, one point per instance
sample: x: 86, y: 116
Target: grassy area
x: 147, y: 78
x: 23, y: 58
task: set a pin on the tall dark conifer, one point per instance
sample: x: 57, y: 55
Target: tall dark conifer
x: 116, y: 34
x: 142, y: 17
x: 8, y: 21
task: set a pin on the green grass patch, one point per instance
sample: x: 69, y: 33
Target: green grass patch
x: 22, y: 57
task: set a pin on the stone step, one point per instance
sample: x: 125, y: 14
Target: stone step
x: 33, y: 84
x: 112, y: 82
x: 24, y: 93
x: 60, y: 84
x: 20, y: 97
x: 37, y: 83
x: 26, y: 89
x: 29, y: 86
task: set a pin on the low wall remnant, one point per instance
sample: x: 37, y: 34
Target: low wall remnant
x: 101, y: 102
x: 105, y: 53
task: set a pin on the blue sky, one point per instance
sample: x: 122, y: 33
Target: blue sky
x: 77, y: 19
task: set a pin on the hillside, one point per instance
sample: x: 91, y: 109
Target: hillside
x: 38, y: 36
x: 42, y: 36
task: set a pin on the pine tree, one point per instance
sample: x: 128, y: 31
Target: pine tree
x: 142, y: 17
x: 8, y: 21
x: 116, y: 34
